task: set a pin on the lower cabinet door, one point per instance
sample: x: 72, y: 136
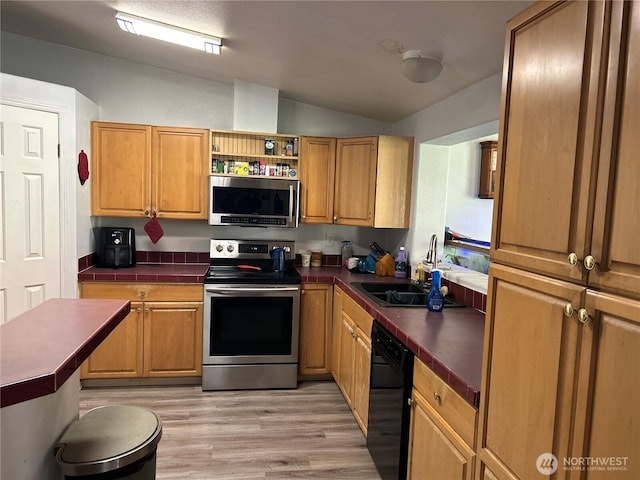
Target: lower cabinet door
x: 315, y: 329
x: 361, y: 380
x: 120, y: 354
x: 435, y: 450
x: 172, y: 339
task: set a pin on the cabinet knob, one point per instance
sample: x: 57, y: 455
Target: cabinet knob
x: 335, y: 218
x: 589, y: 262
x: 353, y: 334
x: 436, y: 396
x: 568, y: 310
x: 153, y: 213
x: 138, y: 310
x: 583, y: 315
x: 146, y: 310
x: 302, y: 292
x: 142, y: 293
x: 410, y: 402
x: 146, y: 212
x: 573, y: 259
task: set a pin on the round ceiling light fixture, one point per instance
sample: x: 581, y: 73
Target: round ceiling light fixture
x: 418, y: 68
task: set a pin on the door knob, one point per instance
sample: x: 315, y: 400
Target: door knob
x: 568, y: 310
x: 583, y: 315
x: 589, y: 262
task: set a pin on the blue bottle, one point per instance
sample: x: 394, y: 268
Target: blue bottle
x: 435, y: 299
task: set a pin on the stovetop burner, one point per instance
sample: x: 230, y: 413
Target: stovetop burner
x: 249, y: 261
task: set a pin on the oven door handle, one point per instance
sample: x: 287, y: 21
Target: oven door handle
x: 264, y: 289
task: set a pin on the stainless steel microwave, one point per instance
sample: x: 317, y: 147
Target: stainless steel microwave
x: 251, y: 201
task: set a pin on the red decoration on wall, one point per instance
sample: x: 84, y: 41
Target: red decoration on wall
x: 83, y: 167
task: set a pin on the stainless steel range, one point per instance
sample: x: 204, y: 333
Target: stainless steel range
x: 251, y: 316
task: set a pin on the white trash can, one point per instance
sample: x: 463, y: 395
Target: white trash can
x: 111, y: 442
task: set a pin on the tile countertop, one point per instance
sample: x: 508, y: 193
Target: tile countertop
x: 450, y: 343
x: 148, y: 272
x: 44, y: 346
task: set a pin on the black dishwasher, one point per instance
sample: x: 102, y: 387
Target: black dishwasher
x: 389, y: 409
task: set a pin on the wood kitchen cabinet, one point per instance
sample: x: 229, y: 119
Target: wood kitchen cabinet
x: 568, y: 173
x: 442, y: 432
x: 562, y: 329
x: 336, y: 330
x: 373, y: 181
x: 161, y: 336
x: 317, y: 178
x: 488, y: 165
x: 354, y: 346
x: 141, y: 171
x: 364, y: 181
x: 570, y: 367
x: 316, y: 302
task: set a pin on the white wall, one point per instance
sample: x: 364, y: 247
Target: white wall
x: 465, y: 212
x: 471, y: 113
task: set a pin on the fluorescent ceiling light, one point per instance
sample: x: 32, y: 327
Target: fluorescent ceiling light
x: 168, y: 33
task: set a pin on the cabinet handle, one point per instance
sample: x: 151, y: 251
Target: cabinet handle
x: 335, y: 218
x: 568, y: 310
x: 138, y: 310
x: 353, y: 334
x: 142, y: 293
x: 436, y: 396
x: 583, y: 316
x: 573, y: 259
x: 146, y: 310
x: 302, y: 292
x: 589, y: 262
x: 410, y: 401
x: 153, y: 213
x: 146, y: 212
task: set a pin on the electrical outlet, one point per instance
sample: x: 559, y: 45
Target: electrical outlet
x: 328, y: 239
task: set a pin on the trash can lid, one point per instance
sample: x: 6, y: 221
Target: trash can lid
x: 108, y: 438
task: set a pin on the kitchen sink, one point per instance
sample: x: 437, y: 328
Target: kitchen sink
x: 399, y: 294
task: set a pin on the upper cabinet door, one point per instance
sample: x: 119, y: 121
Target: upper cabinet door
x: 355, y: 185
x: 180, y: 172
x: 120, y: 173
x: 553, y: 69
x: 616, y: 225
x: 317, y: 176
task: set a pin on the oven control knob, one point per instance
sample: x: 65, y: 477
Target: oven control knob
x: 229, y: 248
x: 218, y: 248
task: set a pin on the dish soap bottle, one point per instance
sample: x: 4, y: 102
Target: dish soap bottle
x: 401, y: 264
x: 435, y: 299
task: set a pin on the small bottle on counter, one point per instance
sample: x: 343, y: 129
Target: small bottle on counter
x: 401, y: 264
x: 435, y: 299
x: 419, y: 275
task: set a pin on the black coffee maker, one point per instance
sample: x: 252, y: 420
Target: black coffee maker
x: 115, y: 247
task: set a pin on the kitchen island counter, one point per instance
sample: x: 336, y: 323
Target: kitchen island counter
x: 44, y: 346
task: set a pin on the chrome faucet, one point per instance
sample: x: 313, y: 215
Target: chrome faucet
x: 433, y: 251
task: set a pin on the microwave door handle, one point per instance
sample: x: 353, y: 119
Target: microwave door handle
x: 291, y: 203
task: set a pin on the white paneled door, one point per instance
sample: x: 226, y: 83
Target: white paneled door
x: 29, y: 210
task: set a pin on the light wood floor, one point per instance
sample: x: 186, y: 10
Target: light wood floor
x: 308, y: 432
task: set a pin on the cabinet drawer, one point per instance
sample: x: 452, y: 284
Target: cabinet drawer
x: 452, y: 407
x: 148, y: 292
x: 363, y: 320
